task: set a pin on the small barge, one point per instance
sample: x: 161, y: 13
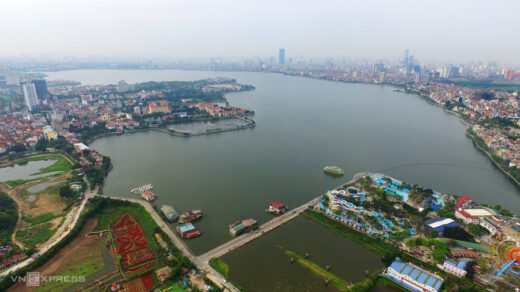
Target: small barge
x: 242, y: 226
x: 333, y: 170
x: 277, y: 208
x: 148, y: 196
x: 170, y: 213
x: 188, y: 230
x: 190, y: 216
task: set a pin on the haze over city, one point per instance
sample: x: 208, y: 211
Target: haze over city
x: 260, y: 145
x: 444, y: 31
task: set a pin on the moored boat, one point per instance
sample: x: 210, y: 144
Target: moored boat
x: 148, y: 196
x: 277, y: 208
x: 333, y: 170
x: 170, y: 213
x: 190, y: 216
x: 242, y: 226
x: 188, y: 230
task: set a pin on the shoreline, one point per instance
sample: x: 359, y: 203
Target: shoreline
x: 468, y: 127
x: 399, y: 88
x: 250, y: 124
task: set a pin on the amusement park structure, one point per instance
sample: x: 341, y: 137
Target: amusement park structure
x: 512, y: 268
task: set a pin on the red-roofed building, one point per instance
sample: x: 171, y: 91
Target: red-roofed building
x: 463, y: 215
x: 158, y: 107
x: 277, y: 207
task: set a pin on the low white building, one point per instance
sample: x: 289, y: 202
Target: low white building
x: 491, y: 226
x: 458, y: 269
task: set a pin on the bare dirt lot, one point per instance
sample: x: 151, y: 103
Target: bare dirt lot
x: 44, y: 202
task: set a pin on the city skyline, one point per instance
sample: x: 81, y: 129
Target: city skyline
x: 443, y: 31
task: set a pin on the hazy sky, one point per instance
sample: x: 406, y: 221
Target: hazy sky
x: 453, y: 30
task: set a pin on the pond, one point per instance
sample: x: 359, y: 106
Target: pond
x: 26, y: 171
x: 40, y: 187
x: 262, y: 265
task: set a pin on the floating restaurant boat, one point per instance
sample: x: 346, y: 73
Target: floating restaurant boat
x: 240, y: 227
x: 277, y: 208
x: 190, y: 216
x: 148, y: 196
x: 170, y: 213
x: 188, y: 230
x: 333, y: 170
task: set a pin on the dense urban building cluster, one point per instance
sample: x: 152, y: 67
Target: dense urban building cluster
x: 78, y: 112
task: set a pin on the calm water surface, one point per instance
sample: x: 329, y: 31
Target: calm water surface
x: 273, y: 271
x: 302, y: 125
x: 26, y: 171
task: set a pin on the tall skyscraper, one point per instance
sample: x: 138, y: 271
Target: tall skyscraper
x: 406, y: 60
x: 30, y: 96
x: 41, y: 87
x: 122, y: 86
x: 281, y: 56
x: 379, y: 67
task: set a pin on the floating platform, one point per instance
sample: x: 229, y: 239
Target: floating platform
x: 277, y: 208
x: 240, y: 227
x: 188, y: 230
x: 333, y: 170
x: 148, y: 196
x: 170, y: 213
x: 190, y: 216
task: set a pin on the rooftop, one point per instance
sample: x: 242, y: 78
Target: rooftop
x: 435, y: 223
x: 478, y: 212
x: 418, y: 274
x: 186, y: 227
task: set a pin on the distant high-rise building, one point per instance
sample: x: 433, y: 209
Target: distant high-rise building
x: 30, y: 96
x: 444, y: 72
x: 509, y: 74
x: 379, y: 67
x: 406, y: 58
x: 41, y: 87
x: 281, y: 56
x: 382, y: 77
x: 12, y: 79
x: 122, y: 86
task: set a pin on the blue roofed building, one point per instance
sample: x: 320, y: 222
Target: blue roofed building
x: 413, y: 277
x: 440, y: 223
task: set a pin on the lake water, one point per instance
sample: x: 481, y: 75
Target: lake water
x: 302, y: 125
